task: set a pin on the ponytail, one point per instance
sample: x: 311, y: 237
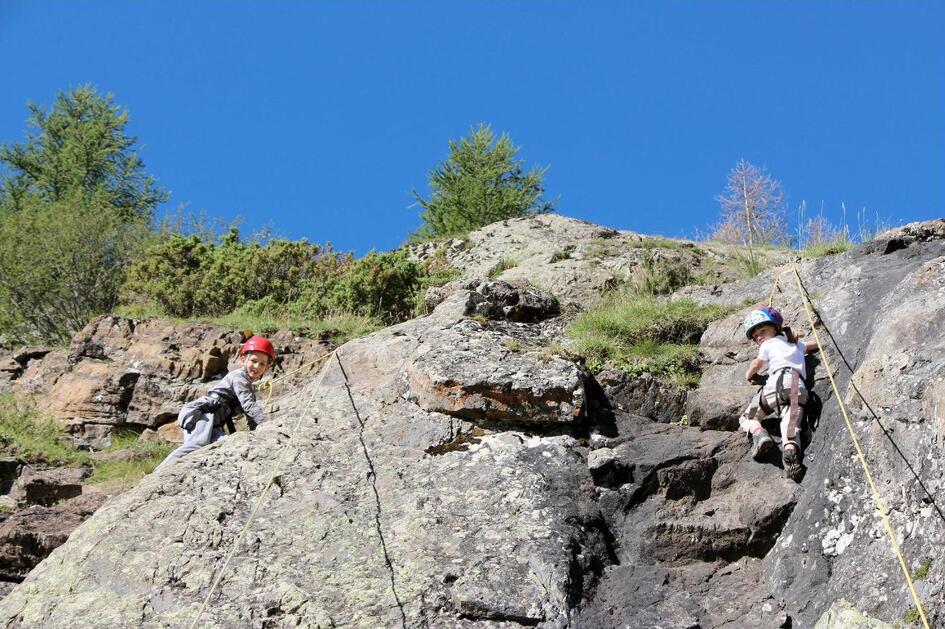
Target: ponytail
x: 789, y: 334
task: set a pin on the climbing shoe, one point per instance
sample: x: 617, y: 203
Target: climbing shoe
x: 792, y: 462
x: 761, y: 444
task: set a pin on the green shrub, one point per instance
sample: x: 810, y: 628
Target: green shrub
x: 641, y: 334
x: 186, y: 276
x: 380, y: 285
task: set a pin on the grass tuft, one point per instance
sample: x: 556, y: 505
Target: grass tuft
x: 28, y: 434
x: 821, y: 249
x: 129, y: 472
x: 501, y: 266
x: 641, y: 334
x: 923, y: 570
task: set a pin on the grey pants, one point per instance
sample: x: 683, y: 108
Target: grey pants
x: 199, y: 431
x: 749, y: 419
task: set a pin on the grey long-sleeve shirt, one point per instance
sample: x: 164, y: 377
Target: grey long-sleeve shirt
x: 237, y: 389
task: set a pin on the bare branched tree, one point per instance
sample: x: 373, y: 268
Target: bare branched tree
x: 753, y: 208
x: 820, y: 231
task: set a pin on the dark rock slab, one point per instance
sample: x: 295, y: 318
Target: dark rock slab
x: 49, y: 486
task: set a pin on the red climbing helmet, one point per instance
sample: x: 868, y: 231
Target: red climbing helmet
x: 258, y: 344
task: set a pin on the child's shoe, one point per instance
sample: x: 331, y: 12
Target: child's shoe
x: 761, y: 444
x: 792, y: 461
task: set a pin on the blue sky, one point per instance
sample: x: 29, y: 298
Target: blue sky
x: 319, y: 118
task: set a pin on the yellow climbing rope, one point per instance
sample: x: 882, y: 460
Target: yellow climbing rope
x: 774, y: 287
x: 272, y: 476
x: 859, y: 451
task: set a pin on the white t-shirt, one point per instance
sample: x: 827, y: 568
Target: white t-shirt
x: 780, y: 353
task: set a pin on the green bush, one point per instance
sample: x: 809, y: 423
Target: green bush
x: 641, y: 334
x: 381, y: 285
x: 186, y: 276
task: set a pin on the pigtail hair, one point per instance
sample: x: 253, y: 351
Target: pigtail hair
x: 789, y: 334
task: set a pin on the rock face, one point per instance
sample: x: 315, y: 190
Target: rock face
x: 877, y: 302
x: 459, y: 470
x: 574, y: 260
x: 47, y: 487
x: 396, y: 509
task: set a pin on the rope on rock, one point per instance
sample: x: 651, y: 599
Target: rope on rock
x: 262, y: 496
x: 775, y: 287
x: 808, y: 306
x: 269, y: 385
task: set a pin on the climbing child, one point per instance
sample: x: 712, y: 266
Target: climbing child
x: 203, y: 419
x: 783, y: 392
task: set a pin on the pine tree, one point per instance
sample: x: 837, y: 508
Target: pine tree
x: 75, y: 203
x: 481, y: 182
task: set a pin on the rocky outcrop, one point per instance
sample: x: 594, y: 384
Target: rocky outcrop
x: 135, y: 375
x: 884, y: 345
x: 390, y: 509
x: 644, y: 395
x: 48, y: 486
x: 460, y: 470
x: 574, y: 260
x: 28, y: 536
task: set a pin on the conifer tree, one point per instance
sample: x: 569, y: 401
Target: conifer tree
x: 481, y: 182
x: 75, y: 203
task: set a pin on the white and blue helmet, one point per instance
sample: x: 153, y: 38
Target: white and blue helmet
x: 762, y: 316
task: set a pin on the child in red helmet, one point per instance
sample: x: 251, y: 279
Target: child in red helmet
x: 203, y: 419
x: 783, y: 392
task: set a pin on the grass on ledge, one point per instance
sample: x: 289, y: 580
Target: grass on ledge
x: 338, y: 327
x: 143, y: 458
x: 28, y: 434
x: 819, y: 250
x: 642, y: 334
x: 25, y: 432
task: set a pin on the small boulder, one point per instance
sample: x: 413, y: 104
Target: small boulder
x: 47, y: 487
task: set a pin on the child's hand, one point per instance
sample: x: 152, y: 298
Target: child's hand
x: 758, y: 379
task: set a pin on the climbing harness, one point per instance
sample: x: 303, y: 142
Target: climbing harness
x: 808, y: 308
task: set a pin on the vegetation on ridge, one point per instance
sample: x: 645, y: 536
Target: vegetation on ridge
x: 481, y: 182
x: 78, y: 238
x: 641, y: 334
x: 75, y: 209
